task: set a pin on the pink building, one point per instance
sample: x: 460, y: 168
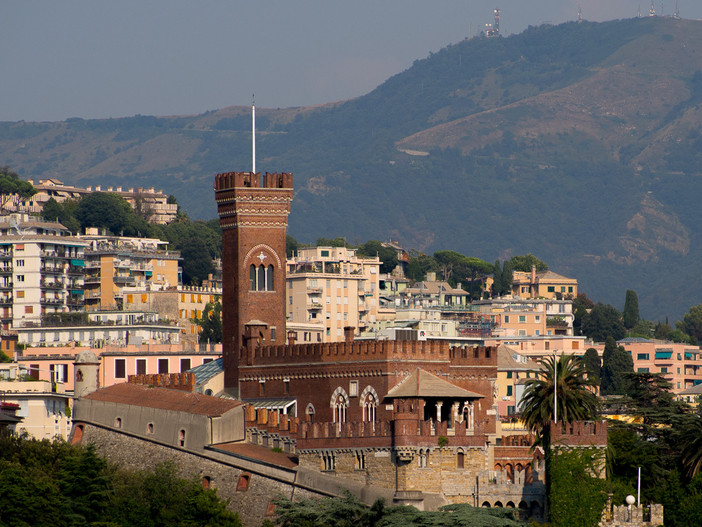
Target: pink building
x: 117, y: 363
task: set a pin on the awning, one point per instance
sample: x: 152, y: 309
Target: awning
x: 281, y: 404
x: 663, y: 354
x: 77, y: 263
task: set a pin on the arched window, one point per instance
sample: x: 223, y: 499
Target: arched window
x: 118, y: 422
x: 310, y: 413
x: 369, y: 405
x: 340, y: 409
x: 261, y: 278
x: 460, y: 459
x: 269, y: 278
x: 181, y: 438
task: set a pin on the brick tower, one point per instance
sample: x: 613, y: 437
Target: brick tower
x: 254, y: 220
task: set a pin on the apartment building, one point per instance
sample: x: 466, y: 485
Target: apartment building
x: 543, y: 284
x: 115, y: 265
x: 41, y: 270
x: 518, y: 317
x: 152, y: 203
x: 180, y: 304
x: 679, y: 364
x: 332, y: 287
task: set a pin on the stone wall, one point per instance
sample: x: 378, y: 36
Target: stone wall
x: 224, y: 473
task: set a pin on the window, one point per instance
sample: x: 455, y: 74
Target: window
x: 328, y: 461
x: 181, y: 438
x: 509, y: 390
x: 664, y: 370
x: 642, y: 370
x: 509, y: 374
x: 642, y: 356
x: 547, y: 345
x: 163, y: 365
x: 261, y: 278
x: 522, y: 319
x: 19, y: 263
x: 120, y: 368
x: 286, y: 386
x: 243, y: 483
x: 141, y: 366
x: 551, y: 289
x: 369, y: 405
x: 422, y: 458
x: 261, y: 388
x: 29, y: 309
x: 506, y: 319
x: 360, y: 460
x: 570, y: 288
x: 272, y: 334
x: 20, y: 278
x: 150, y: 428
x: 353, y: 388
x: 459, y: 460
x: 118, y: 422
x: 184, y: 365
x: 20, y: 294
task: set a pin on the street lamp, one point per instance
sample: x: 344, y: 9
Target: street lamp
x: 555, y: 389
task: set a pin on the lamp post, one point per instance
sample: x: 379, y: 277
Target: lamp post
x: 555, y: 388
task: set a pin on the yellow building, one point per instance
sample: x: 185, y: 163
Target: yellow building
x: 333, y: 288
x: 543, y: 284
x: 114, y: 264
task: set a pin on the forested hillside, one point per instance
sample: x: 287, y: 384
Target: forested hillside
x: 579, y: 143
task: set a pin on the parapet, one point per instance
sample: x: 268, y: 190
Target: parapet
x: 230, y: 180
x: 178, y: 381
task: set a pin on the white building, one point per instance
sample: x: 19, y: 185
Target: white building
x: 41, y: 270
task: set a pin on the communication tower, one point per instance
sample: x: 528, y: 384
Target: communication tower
x: 580, y: 14
x: 493, y: 30
x: 652, y: 11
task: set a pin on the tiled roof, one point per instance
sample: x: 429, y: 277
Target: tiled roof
x: 164, y: 399
x: 205, y: 372
x: 550, y: 275
x: 632, y: 340
x: 506, y: 360
x: 421, y: 383
x: 694, y: 390
x: 258, y: 453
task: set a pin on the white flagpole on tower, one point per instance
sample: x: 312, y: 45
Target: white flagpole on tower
x: 253, y: 133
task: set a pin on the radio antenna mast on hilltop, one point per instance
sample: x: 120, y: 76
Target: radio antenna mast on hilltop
x: 253, y: 132
x: 580, y: 14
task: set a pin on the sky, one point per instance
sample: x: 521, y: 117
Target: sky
x: 99, y: 59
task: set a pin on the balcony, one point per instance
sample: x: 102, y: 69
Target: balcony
x: 75, y: 269
x: 5, y: 300
x: 4, y: 286
x: 52, y: 284
x: 314, y: 305
x: 52, y: 254
x: 92, y: 280
x: 51, y: 269
x: 51, y: 301
x: 314, y: 290
x: 123, y: 280
x: 5, y: 269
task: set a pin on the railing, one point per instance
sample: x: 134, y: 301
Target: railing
x: 51, y: 301
x: 75, y: 269
x: 54, y: 284
x: 123, y: 279
x: 52, y: 254
x: 52, y: 268
x: 6, y: 285
x: 92, y: 280
x: 5, y: 300
x: 5, y: 269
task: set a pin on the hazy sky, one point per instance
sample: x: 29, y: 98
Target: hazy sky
x: 95, y: 58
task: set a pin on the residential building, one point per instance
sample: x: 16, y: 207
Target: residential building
x: 543, y: 284
x: 435, y: 293
x: 528, y: 317
x: 116, y: 361
x: 512, y: 369
x: 679, y: 364
x: 43, y: 406
x: 180, y: 304
x: 151, y: 203
x: 41, y: 270
x: 333, y: 288
x: 116, y: 265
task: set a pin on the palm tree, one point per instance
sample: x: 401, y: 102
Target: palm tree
x: 691, y: 439
x: 575, y: 400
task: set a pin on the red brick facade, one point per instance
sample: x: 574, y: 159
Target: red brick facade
x: 253, y: 213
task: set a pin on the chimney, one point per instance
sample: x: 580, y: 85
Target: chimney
x: 348, y: 333
x: 532, y: 285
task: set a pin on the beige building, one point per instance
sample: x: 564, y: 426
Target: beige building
x: 333, y: 288
x: 41, y: 270
x: 152, y: 203
x: 543, y: 284
x: 533, y: 317
x: 180, y: 304
x: 43, y: 406
x: 118, y: 264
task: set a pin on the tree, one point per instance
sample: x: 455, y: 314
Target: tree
x: 691, y: 441
x: 291, y: 245
x: 11, y: 185
x: 581, y: 306
x: 593, y: 364
x: 497, y: 285
x: 630, y: 315
x: 448, y: 262
x: 578, y: 496
x: 616, y: 363
x: 575, y: 399
x: 210, y: 323
x: 419, y: 265
x: 55, y: 211
x: 526, y: 262
x: 112, y: 212
x: 601, y: 322
x: 331, y: 242
x: 387, y: 255
x: 197, y: 262
x: 691, y: 324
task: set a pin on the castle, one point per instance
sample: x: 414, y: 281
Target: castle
x: 414, y: 422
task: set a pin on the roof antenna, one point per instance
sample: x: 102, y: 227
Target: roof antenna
x: 253, y: 132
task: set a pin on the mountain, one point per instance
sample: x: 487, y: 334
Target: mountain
x: 580, y: 143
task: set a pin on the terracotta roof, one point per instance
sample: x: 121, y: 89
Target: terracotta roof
x: 550, y: 275
x: 693, y: 390
x: 421, y: 383
x: 164, y: 399
x: 258, y: 453
x: 509, y: 359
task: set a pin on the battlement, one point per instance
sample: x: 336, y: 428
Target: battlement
x: 580, y: 433
x: 230, y: 180
x: 176, y: 381
x: 384, y: 350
